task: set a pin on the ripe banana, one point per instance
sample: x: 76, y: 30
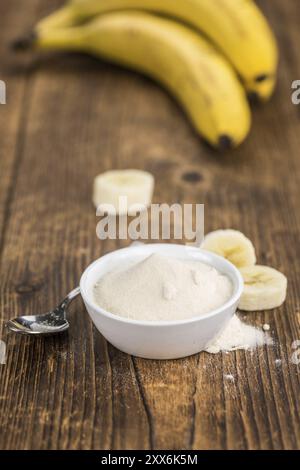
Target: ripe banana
x: 264, y: 288
x: 232, y: 245
x: 135, y: 185
x: 266, y: 90
x: 176, y: 56
x: 237, y: 27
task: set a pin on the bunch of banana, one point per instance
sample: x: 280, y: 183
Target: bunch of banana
x: 198, y: 70
x: 237, y: 27
x: 179, y: 58
x: 264, y: 287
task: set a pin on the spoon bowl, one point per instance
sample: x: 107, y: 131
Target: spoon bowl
x: 50, y: 323
x: 46, y: 324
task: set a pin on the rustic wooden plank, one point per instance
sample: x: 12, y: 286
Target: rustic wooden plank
x: 67, y: 391
x: 76, y: 392
x: 13, y: 112
x: 12, y: 123
x: 261, y: 409
x: 248, y: 192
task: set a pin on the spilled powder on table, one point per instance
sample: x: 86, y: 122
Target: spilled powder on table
x: 238, y: 335
x: 229, y: 377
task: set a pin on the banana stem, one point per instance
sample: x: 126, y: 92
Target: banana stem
x: 45, y: 29
x: 63, y: 39
x: 61, y: 18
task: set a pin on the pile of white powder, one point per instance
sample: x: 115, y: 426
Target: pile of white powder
x: 163, y: 288
x: 238, y: 335
x: 160, y: 288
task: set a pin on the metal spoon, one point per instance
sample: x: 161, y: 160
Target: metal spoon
x: 49, y: 323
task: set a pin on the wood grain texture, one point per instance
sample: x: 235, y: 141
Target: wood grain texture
x: 69, y: 117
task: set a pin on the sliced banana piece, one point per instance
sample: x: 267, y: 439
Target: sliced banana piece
x: 122, y: 190
x: 264, y: 288
x: 232, y: 245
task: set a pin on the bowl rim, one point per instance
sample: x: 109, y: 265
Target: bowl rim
x: 101, y: 311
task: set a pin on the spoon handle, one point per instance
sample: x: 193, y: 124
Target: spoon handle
x: 74, y: 293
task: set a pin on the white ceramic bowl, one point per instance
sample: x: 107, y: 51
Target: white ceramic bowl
x: 159, y: 339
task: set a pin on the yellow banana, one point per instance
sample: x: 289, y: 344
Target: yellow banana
x: 237, y: 27
x: 176, y: 56
x: 264, y: 91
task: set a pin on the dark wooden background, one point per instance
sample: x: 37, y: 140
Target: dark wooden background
x: 69, y: 117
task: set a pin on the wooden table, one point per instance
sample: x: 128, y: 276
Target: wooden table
x: 69, y: 117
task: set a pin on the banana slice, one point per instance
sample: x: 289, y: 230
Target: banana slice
x: 264, y: 288
x: 123, y: 189
x: 232, y: 245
